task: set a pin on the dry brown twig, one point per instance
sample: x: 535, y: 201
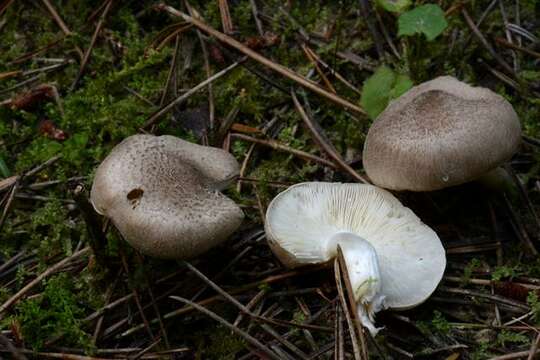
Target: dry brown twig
x: 263, y: 60
x: 152, y: 119
x: 278, y: 146
x: 88, y: 52
x: 323, y: 143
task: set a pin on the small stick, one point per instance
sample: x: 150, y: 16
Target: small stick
x: 5, y: 5
x: 226, y: 21
x: 344, y: 306
x: 520, y: 228
x: 61, y: 23
x: 99, y: 323
x: 534, y: 348
x: 494, y: 298
x: 7, y: 207
x: 267, y: 62
x: 333, y: 71
x: 319, y: 137
x: 51, y: 270
x: 233, y: 328
x: 516, y: 47
x: 254, y: 301
x: 210, y: 300
x: 338, y: 347
x: 278, y: 146
x: 309, y: 55
x: 97, y: 238
x: 88, y: 52
x: 211, y: 110
x: 17, y: 355
x: 145, y: 350
x: 516, y: 355
x: 137, y: 298
x: 172, y: 70
x: 365, y: 11
x: 485, y: 43
x: 246, y: 311
x: 154, y: 304
x: 243, y: 168
x: 352, y: 302
x: 255, y: 12
x: 155, y: 116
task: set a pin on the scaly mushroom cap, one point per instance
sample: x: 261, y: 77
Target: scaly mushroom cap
x: 301, y: 220
x: 162, y: 193
x: 438, y: 134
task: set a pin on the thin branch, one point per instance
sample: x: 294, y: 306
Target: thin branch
x: 250, y: 339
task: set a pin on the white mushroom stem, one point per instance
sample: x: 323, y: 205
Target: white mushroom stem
x: 363, y: 269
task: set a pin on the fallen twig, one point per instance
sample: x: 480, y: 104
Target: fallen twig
x: 267, y: 62
x: 155, y: 116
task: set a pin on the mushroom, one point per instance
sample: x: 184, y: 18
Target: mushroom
x: 438, y: 134
x: 393, y: 259
x: 162, y: 193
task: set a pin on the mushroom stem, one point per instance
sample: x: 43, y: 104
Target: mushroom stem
x: 363, y: 269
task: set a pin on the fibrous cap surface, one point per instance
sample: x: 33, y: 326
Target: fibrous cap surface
x: 162, y: 193
x: 440, y: 133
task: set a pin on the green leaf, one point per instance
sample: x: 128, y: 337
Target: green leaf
x: 402, y: 84
x: 383, y: 86
x: 395, y: 6
x: 426, y: 19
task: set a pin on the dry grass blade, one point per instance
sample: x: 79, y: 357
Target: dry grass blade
x: 250, y: 339
x: 320, y: 139
x: 265, y: 61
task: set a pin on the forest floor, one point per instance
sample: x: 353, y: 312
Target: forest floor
x: 77, y: 77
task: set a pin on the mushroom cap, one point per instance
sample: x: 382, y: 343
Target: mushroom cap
x: 301, y: 219
x: 440, y: 133
x: 162, y: 193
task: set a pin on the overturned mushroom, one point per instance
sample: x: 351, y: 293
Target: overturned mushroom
x: 393, y: 259
x: 162, y: 193
x: 438, y: 134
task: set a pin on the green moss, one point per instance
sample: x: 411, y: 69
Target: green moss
x: 55, y: 312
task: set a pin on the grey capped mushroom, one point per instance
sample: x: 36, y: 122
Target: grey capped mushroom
x: 393, y: 259
x: 163, y: 195
x: 440, y: 133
